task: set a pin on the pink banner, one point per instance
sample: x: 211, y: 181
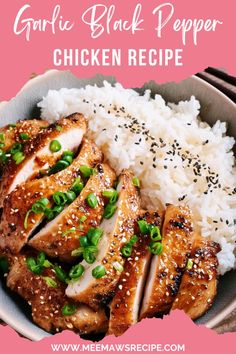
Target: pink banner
x: 176, y: 333
x: 146, y: 40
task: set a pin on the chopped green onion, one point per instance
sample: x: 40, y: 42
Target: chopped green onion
x: 36, y: 265
x: 143, y: 227
x: 81, y: 221
x: 2, y: 145
x: 15, y: 148
x: 77, y: 252
x: 108, y: 193
x: 2, y: 138
x: 60, y: 273
x: 58, y: 128
x: 59, y: 198
x: 50, y: 282
x: 59, y: 166
x: 77, y: 186
x: 76, y: 271
x: 69, y: 231
x: 99, y: 272
x: 44, y: 201
x: 112, y: 194
x: 89, y: 254
x: 126, y: 250
x: 49, y: 213
x: 57, y: 209
x: 155, y: 248
x: 94, y: 235
x: 83, y: 218
x: 118, y: 267
x: 18, y: 157
x: 92, y: 200
x: 136, y: 182
x: 189, y: 264
x: 4, y: 265
x: 33, y: 266
x: 41, y: 258
x: 68, y: 153
x: 39, y: 206
x: 3, y: 157
x: 26, y: 219
x: 133, y: 240
x: 109, y: 211
x: 71, y: 196
x: 83, y: 241
x: 47, y: 264
x: 24, y: 136
x: 12, y: 125
x: 69, y: 310
x: 114, y: 198
x: 86, y: 171
x: 55, y: 146
x: 155, y: 233
x: 68, y: 159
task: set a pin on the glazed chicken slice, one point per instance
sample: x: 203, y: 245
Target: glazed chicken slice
x: 199, y: 283
x: 116, y: 232
x: 166, y: 269
x: 46, y: 296
x: 56, y: 239
x: 125, y: 305
x: 20, y: 132
x: 38, y: 156
x: 14, y: 234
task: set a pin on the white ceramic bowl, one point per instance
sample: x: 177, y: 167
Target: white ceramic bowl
x: 214, y: 105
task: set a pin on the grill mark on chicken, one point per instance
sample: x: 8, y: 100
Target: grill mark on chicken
x: 38, y: 155
x: 124, y: 308
x: 16, y: 205
x: 117, y: 231
x: 166, y: 270
x: 47, y: 302
x: 52, y: 240
x: 199, y: 284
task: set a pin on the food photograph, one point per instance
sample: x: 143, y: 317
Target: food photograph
x: 117, y: 204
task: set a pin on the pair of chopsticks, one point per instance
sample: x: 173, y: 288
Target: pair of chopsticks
x: 221, y: 80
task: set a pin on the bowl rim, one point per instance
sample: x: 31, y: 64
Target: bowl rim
x: 35, y: 333
x: 31, y: 331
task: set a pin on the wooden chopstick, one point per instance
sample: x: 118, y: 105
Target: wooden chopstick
x: 228, y: 88
x: 222, y: 75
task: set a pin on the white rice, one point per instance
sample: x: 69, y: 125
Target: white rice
x: 165, y: 174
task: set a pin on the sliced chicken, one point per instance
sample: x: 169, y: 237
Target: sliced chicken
x: 11, y: 134
x: 46, y: 296
x: 199, y: 283
x: 125, y: 305
x: 38, y: 156
x: 166, y: 270
x: 55, y: 239
x: 116, y: 232
x: 13, y: 232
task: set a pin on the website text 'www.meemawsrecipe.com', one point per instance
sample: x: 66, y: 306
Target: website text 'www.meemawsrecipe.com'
x: 96, y: 347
